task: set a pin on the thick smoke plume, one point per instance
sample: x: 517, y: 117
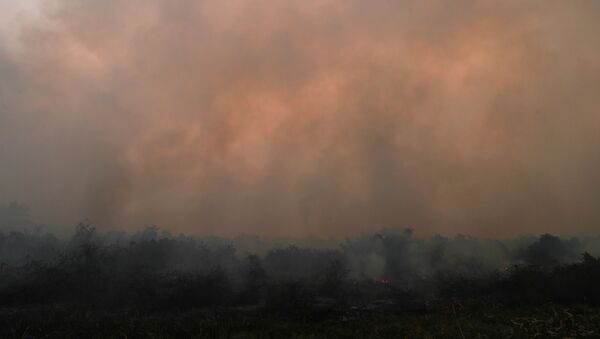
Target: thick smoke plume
x: 305, y: 117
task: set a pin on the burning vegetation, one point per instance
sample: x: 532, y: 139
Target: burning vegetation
x: 544, y: 285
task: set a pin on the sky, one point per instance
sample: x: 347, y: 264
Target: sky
x: 296, y: 118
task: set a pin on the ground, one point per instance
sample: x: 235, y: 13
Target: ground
x: 445, y: 320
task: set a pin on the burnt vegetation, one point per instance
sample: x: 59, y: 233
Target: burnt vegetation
x: 391, y: 273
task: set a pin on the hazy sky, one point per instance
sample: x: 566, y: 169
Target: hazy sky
x: 310, y: 117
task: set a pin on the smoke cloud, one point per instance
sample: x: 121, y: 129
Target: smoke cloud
x: 289, y: 118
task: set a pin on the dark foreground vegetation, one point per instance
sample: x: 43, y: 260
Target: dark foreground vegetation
x: 391, y: 284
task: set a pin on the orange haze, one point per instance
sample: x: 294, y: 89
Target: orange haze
x: 326, y: 117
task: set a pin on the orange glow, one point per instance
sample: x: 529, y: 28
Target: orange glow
x: 305, y: 117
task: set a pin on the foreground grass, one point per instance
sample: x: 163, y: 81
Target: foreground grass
x: 450, y: 320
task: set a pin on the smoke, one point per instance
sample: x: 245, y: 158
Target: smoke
x: 305, y: 118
